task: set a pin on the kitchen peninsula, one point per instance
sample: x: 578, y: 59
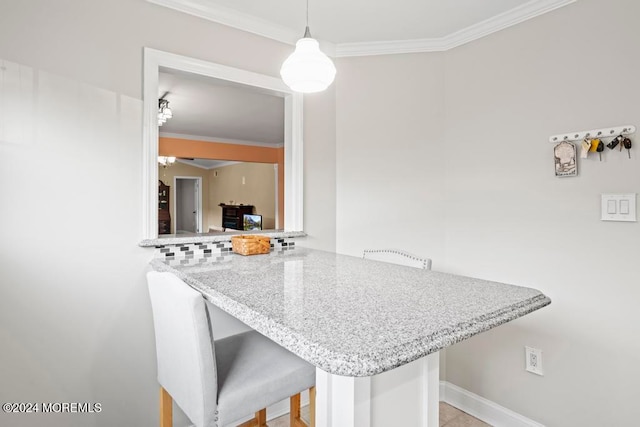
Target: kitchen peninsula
x: 355, y: 319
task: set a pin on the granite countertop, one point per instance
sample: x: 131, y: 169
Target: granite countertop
x: 350, y: 316
x: 221, y: 236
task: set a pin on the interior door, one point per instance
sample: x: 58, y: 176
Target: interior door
x: 187, y: 205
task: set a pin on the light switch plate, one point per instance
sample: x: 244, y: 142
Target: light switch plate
x: 619, y: 207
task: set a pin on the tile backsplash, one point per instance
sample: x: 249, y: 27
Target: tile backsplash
x: 193, y: 253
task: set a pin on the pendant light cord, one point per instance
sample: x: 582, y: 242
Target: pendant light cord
x: 307, y: 33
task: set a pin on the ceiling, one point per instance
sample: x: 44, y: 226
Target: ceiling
x: 216, y: 110
x: 361, y: 27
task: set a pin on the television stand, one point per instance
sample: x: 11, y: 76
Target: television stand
x: 232, y: 215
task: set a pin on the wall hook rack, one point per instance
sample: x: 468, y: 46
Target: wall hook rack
x: 594, y: 133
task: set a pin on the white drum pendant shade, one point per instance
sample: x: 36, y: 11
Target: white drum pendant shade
x: 307, y: 69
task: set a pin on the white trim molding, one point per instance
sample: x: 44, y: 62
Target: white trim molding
x: 481, y: 408
x: 232, y: 18
x: 220, y: 164
x: 517, y: 15
x: 245, y: 22
x: 345, y: 50
x: 489, y: 26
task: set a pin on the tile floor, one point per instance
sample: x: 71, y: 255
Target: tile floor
x: 454, y: 417
x: 449, y: 417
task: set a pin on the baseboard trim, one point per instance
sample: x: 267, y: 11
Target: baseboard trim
x: 279, y: 409
x: 481, y: 408
x: 477, y: 406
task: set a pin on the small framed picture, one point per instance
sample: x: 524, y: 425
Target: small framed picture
x: 252, y: 222
x: 565, y: 155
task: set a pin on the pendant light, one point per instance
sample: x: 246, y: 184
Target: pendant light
x: 307, y: 69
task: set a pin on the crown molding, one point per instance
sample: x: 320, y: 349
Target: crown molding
x: 220, y: 164
x: 345, y: 50
x: 231, y: 18
x: 529, y: 10
x: 261, y: 27
x: 492, y: 25
x: 219, y: 140
x: 241, y: 21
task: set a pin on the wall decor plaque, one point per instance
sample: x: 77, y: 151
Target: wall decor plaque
x: 565, y: 154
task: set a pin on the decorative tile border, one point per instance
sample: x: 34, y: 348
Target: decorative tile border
x: 203, y: 251
x: 189, y: 238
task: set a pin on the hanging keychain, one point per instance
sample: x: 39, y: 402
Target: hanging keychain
x: 586, y: 146
x: 614, y: 142
x: 600, y: 148
x: 627, y: 144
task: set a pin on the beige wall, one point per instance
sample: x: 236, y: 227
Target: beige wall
x: 185, y: 148
x: 258, y: 189
x: 486, y: 180
x: 75, y: 319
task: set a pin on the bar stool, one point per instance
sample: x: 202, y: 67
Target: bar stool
x: 396, y: 256
x: 218, y: 382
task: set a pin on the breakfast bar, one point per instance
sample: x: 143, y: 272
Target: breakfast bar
x: 358, y: 321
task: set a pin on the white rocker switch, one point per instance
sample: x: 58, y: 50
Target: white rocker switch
x: 618, y: 207
x: 624, y: 207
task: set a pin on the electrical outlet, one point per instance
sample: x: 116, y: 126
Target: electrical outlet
x: 533, y: 360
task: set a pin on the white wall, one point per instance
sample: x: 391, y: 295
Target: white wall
x: 467, y: 131
x: 502, y: 214
x: 75, y: 320
x: 320, y: 170
x: 510, y: 219
x: 390, y: 154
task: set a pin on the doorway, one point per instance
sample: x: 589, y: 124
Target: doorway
x: 188, y: 205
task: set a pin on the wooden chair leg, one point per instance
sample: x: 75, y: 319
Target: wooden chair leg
x: 261, y: 418
x: 294, y: 410
x: 295, y: 418
x: 312, y: 407
x: 166, y: 408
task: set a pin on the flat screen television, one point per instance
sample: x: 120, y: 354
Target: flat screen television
x: 252, y: 222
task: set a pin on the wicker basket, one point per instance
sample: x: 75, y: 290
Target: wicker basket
x: 250, y: 244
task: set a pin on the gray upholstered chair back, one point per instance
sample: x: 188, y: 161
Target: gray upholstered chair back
x: 396, y: 256
x: 186, y: 359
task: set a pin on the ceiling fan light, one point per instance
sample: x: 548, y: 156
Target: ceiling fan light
x: 307, y: 69
x: 164, y: 112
